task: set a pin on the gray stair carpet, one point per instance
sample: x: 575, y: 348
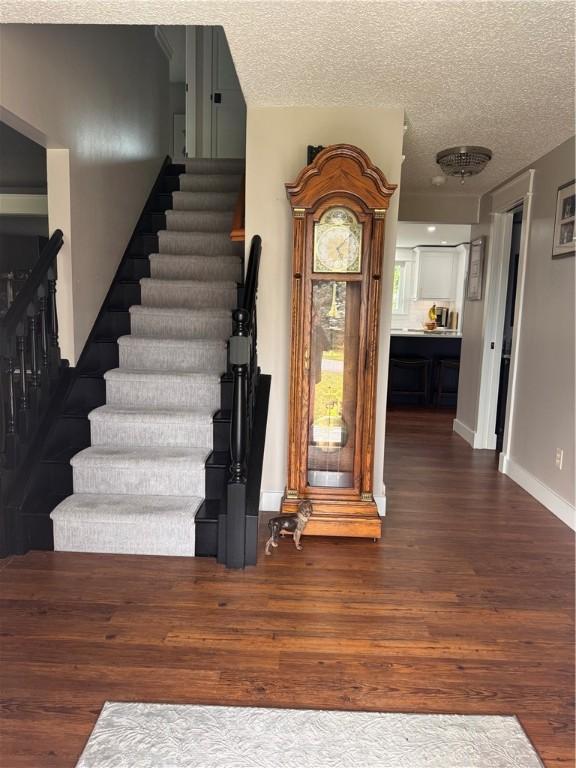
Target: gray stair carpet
x: 137, y: 488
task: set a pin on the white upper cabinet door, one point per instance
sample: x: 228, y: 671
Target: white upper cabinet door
x: 437, y: 272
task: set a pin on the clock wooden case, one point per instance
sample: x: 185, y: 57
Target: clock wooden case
x: 339, y: 203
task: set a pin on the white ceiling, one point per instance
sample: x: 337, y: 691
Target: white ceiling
x: 412, y: 233
x: 498, y: 73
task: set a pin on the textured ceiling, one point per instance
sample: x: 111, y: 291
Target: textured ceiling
x: 498, y: 73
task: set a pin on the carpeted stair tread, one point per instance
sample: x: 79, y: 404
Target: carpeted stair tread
x: 229, y: 165
x: 156, y: 470
x: 126, y: 524
x: 199, y: 221
x: 198, y: 243
x: 172, y: 354
x: 188, y: 294
x: 210, y: 182
x: 205, y: 268
x: 139, y: 426
x: 159, y: 388
x: 204, y: 201
x: 138, y: 456
x: 180, y: 322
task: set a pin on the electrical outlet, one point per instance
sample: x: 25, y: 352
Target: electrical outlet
x: 559, y: 457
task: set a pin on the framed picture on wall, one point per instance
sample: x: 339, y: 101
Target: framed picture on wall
x: 564, y: 234
x: 475, y: 270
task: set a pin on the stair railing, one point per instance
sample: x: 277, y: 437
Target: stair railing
x: 243, y: 360
x: 29, y: 355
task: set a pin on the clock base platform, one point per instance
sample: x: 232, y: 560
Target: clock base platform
x: 339, y: 518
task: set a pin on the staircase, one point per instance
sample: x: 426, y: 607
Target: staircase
x: 141, y: 486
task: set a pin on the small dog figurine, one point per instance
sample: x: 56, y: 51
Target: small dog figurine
x: 286, y: 524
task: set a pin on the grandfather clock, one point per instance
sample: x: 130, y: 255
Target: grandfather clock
x: 339, y: 203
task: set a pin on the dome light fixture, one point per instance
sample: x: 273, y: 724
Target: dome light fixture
x: 463, y: 161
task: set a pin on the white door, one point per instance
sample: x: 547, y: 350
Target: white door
x: 215, y: 106
x: 228, y: 113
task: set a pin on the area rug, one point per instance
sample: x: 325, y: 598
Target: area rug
x: 131, y: 735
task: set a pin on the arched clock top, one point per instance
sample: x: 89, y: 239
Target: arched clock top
x: 344, y: 169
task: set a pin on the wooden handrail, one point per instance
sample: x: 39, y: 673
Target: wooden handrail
x: 238, y: 233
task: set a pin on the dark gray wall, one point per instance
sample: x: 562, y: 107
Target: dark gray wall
x: 22, y: 163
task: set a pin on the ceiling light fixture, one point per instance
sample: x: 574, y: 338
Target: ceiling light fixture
x: 431, y: 229
x: 463, y: 161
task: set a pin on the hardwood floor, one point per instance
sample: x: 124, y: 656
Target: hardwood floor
x: 465, y: 605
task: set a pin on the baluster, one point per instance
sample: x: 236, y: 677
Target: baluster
x: 43, y: 305
x: 33, y: 336
x: 11, y: 419
x: 21, y: 355
x: 54, y: 357
x: 53, y: 308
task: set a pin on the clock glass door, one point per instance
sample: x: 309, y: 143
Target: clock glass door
x: 333, y: 387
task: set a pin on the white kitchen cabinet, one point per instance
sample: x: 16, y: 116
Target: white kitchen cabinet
x: 437, y: 273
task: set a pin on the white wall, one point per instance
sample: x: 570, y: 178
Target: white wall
x: 544, y: 406
x: 101, y: 93
x: 277, y: 138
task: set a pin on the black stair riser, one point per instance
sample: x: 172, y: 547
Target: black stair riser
x: 175, y: 169
x: 102, y: 355
x: 125, y: 294
x: 135, y: 269
x: 87, y: 393
x: 36, y: 532
x: 226, y: 393
x: 206, y: 544
x: 160, y: 201
x: 55, y: 477
x: 152, y: 221
x: 169, y: 184
x: 143, y: 244
x: 114, y: 324
x: 221, y: 435
x: 215, y: 482
x: 69, y: 434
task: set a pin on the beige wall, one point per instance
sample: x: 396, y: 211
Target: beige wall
x: 101, y: 93
x: 277, y: 138
x: 544, y: 406
x: 439, y: 208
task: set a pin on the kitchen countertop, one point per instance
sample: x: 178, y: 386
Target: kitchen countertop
x: 437, y: 334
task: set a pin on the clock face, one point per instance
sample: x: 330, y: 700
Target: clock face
x: 338, y: 242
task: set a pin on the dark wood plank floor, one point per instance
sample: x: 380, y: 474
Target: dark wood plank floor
x: 464, y: 606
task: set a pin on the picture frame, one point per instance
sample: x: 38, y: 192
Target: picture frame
x: 475, y: 275
x: 564, y: 233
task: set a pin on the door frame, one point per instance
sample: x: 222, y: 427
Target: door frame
x: 504, y: 200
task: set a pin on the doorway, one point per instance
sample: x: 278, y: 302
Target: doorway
x: 215, y: 105
x: 508, y: 329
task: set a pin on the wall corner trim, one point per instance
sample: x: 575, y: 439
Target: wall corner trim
x: 381, y: 504
x: 162, y: 41
x: 465, y: 432
x: 563, y: 510
x: 270, y: 501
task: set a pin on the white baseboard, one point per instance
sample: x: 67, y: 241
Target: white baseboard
x: 465, y: 432
x: 270, y: 502
x: 541, y: 492
x: 381, y: 504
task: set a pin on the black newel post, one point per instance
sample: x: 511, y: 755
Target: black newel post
x: 236, y: 516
